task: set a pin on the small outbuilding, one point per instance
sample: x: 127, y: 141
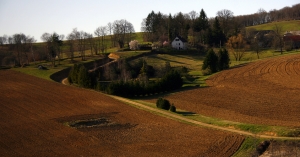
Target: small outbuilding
x: 179, y: 43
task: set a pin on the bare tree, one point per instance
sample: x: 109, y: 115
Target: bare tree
x: 225, y: 17
x: 193, y: 15
x: 97, y: 32
x: 53, y: 44
x: 82, y: 38
x: 110, y: 28
x: 91, y: 42
x: 262, y: 15
x: 18, y: 41
x: 257, y: 43
x: 61, y: 38
x: 129, y: 31
x: 238, y: 46
x: 71, y: 43
x: 3, y: 39
x: 278, y: 39
x: 30, y: 41
x: 121, y: 29
x: 103, y: 32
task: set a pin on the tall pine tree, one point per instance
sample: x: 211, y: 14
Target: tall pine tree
x: 210, y: 61
x: 218, y: 36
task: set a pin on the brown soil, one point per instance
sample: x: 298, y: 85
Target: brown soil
x: 263, y: 92
x: 34, y: 113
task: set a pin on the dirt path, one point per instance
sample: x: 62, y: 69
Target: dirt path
x: 177, y: 117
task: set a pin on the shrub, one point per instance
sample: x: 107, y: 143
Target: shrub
x: 223, y: 59
x: 262, y: 147
x: 173, y: 108
x: 210, y: 61
x: 163, y: 104
x: 84, y: 79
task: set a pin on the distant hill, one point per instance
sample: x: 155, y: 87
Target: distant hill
x: 286, y: 26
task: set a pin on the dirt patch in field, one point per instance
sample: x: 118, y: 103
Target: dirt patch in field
x: 33, y: 112
x: 88, y: 122
x: 263, y: 92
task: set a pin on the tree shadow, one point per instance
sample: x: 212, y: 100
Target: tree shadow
x: 238, y: 66
x: 168, y: 60
x: 166, y: 93
x: 185, y: 113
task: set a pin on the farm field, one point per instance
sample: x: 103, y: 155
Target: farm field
x: 264, y: 92
x: 36, y: 115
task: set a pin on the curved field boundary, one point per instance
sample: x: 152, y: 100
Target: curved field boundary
x: 180, y: 118
x: 267, y: 69
x: 187, y: 120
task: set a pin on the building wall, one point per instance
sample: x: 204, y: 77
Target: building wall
x: 178, y: 44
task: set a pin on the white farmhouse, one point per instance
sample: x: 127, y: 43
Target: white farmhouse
x: 179, y: 43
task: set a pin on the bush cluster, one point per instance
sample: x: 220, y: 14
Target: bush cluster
x: 173, y: 108
x: 216, y: 62
x: 170, y: 81
x: 163, y: 104
x: 79, y: 75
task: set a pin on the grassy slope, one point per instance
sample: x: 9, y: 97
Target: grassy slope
x: 286, y: 26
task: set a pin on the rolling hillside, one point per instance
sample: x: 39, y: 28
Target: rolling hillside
x: 286, y: 26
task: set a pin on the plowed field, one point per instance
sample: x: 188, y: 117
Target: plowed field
x: 262, y: 92
x: 34, y: 113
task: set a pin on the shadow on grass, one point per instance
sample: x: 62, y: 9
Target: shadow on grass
x: 164, y: 94
x: 185, y: 113
x: 167, y: 60
x: 239, y: 65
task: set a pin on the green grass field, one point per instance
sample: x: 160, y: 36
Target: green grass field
x: 286, y: 26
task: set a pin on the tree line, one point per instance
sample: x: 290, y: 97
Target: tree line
x: 201, y: 30
x: 22, y: 50
x: 136, y: 84
x: 214, y: 62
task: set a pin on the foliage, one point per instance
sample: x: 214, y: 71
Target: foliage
x: 84, y: 79
x: 210, y: 61
x: 54, y: 42
x: 163, y: 104
x: 223, y: 61
x: 80, y: 75
x: 172, y: 80
x: 217, y: 35
x: 173, y: 108
x: 134, y: 45
x: 238, y: 46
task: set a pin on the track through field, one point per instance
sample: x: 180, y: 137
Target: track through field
x: 265, y: 92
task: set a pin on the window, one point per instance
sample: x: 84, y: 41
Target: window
x: 176, y: 39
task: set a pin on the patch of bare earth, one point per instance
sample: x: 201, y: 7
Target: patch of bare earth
x: 36, y: 115
x: 263, y: 92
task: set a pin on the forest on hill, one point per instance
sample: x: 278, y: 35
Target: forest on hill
x: 200, y: 31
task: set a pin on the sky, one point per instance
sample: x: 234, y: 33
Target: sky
x: 35, y: 17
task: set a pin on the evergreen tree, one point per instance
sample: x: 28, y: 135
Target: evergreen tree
x: 200, y: 26
x: 217, y: 33
x: 210, y: 61
x: 84, y: 79
x: 73, y: 75
x: 223, y: 61
x: 209, y: 39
